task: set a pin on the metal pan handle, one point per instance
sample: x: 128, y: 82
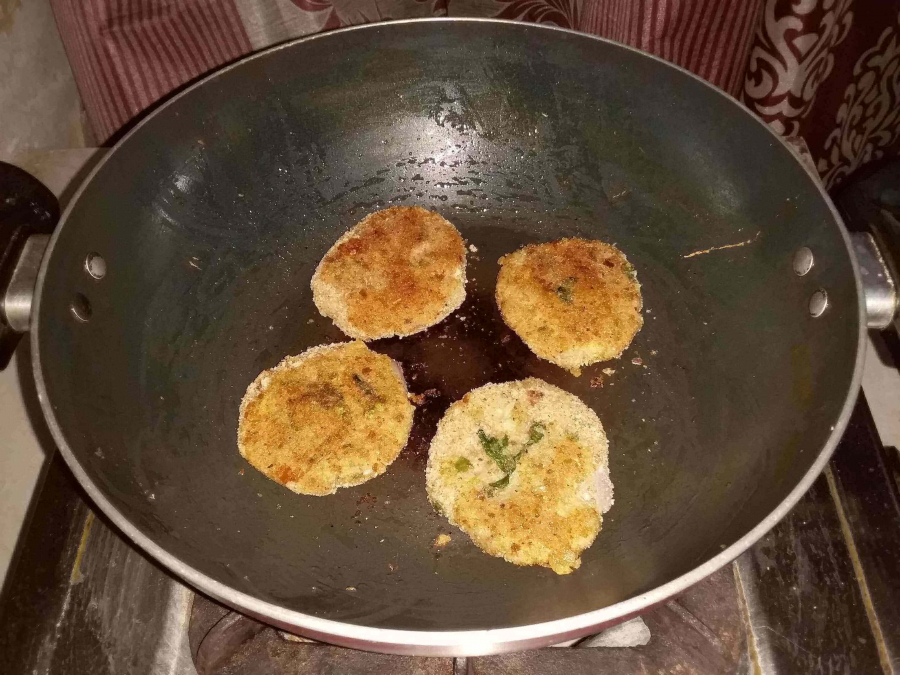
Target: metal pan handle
x: 877, y: 254
x: 28, y: 213
x: 879, y: 274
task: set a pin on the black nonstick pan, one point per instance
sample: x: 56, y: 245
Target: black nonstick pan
x: 182, y: 269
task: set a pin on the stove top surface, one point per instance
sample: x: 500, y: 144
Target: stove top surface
x: 81, y: 599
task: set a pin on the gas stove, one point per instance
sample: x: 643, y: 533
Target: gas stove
x: 819, y: 593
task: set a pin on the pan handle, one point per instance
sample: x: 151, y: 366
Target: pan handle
x: 878, y: 280
x: 28, y: 214
x: 877, y: 254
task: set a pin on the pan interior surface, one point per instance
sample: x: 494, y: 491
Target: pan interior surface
x: 212, y: 216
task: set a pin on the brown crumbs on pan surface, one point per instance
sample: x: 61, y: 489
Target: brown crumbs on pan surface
x: 441, y: 540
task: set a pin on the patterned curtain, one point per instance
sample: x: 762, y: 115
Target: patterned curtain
x: 828, y: 71
x: 821, y: 72
x: 708, y: 37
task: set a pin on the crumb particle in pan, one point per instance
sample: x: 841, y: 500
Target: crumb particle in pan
x: 441, y: 540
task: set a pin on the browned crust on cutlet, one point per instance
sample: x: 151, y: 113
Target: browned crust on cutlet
x: 572, y: 301
x: 397, y: 272
x: 334, y: 416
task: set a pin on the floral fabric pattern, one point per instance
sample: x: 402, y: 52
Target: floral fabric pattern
x: 868, y: 121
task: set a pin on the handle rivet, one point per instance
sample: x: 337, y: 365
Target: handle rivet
x: 95, y: 265
x: 803, y: 261
x: 81, y: 308
x: 818, y: 303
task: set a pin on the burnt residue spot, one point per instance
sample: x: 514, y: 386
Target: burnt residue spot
x: 368, y: 499
x: 565, y: 289
x: 452, y: 358
x: 415, y: 454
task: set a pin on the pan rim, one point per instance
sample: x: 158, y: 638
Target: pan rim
x: 458, y: 642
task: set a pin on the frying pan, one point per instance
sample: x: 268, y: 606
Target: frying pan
x: 211, y: 215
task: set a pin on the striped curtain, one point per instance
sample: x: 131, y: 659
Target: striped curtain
x: 128, y: 54
x: 708, y: 37
x: 822, y: 72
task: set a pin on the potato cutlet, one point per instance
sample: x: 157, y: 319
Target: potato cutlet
x: 334, y: 416
x: 573, y: 302
x: 522, y: 468
x: 397, y: 272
